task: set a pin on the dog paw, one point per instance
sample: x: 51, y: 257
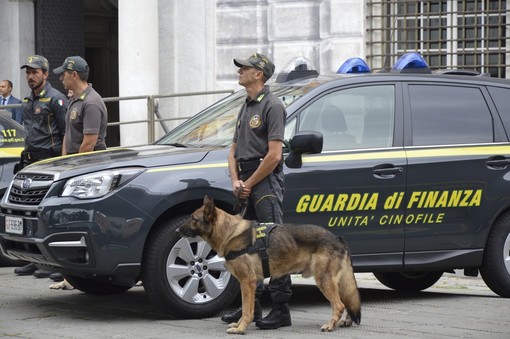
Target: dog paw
x: 139, y: 283
x: 235, y: 330
x: 232, y: 325
x: 345, y: 323
x: 62, y: 285
x: 328, y: 327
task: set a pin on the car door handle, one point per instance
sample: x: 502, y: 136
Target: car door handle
x: 389, y: 171
x: 498, y: 162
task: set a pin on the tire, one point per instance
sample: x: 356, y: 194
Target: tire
x: 408, y: 281
x: 495, y: 268
x: 96, y: 287
x: 185, y: 277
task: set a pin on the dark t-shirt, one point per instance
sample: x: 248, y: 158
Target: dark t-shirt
x: 86, y: 115
x: 261, y: 120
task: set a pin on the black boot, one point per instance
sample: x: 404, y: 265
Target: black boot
x: 25, y: 270
x: 236, y: 315
x: 41, y: 274
x: 278, y: 317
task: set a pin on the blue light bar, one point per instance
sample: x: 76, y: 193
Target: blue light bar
x: 411, y: 62
x: 354, y: 65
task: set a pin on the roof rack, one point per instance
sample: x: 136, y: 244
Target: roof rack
x: 457, y: 71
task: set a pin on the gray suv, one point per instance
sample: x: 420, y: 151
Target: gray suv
x: 410, y: 166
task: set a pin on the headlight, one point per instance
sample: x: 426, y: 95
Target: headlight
x: 96, y: 185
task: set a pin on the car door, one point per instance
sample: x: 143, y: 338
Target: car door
x: 355, y: 186
x: 454, y: 144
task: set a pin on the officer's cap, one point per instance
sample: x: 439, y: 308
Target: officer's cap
x: 73, y: 63
x: 258, y: 61
x: 37, y: 61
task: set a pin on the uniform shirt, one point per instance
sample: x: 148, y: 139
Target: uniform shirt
x: 86, y: 115
x: 261, y: 120
x: 44, y: 120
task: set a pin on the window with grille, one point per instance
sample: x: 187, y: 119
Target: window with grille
x: 470, y: 34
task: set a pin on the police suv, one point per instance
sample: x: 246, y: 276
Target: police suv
x: 410, y: 166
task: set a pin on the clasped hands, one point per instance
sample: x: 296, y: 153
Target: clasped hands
x: 240, y: 189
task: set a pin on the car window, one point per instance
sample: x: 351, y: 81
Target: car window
x: 501, y: 97
x: 442, y: 115
x: 360, y: 117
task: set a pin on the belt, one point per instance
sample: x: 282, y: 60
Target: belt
x: 249, y: 165
x: 35, y: 155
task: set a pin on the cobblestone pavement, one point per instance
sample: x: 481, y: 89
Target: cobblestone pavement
x: 456, y: 307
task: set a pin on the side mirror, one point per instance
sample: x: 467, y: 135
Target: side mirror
x: 303, y: 142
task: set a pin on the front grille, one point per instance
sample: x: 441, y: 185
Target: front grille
x: 29, y: 188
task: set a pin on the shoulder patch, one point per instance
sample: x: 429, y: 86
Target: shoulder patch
x: 44, y: 99
x: 60, y: 102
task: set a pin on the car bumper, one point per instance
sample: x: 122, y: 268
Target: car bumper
x: 68, y: 235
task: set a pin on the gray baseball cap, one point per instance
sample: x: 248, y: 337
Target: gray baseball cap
x: 37, y: 61
x: 73, y: 63
x: 258, y: 61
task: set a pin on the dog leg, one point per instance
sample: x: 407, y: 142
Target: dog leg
x: 328, y: 287
x: 248, y: 305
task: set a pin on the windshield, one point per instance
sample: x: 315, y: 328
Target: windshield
x: 215, y: 125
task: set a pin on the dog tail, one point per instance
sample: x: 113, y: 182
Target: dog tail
x: 349, y: 294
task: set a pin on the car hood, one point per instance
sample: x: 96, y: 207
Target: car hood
x: 142, y: 156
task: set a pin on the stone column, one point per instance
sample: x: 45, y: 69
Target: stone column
x: 17, y: 41
x: 138, y: 65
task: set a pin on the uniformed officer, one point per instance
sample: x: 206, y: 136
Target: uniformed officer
x: 44, y: 119
x: 87, y: 117
x: 255, y: 164
x: 44, y: 112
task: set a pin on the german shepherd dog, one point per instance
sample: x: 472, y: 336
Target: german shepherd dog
x: 307, y: 249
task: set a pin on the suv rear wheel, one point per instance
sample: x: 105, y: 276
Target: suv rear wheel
x: 185, y: 277
x: 495, y: 268
x: 408, y: 281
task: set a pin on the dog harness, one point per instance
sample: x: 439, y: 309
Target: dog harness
x: 260, y: 245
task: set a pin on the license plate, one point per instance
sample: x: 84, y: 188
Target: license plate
x: 13, y: 224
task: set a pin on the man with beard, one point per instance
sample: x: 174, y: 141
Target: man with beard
x: 44, y: 112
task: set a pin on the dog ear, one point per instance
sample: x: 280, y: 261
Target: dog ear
x: 209, y: 209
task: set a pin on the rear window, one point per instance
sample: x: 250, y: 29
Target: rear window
x: 444, y: 115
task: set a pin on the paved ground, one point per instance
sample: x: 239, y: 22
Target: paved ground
x: 457, y: 307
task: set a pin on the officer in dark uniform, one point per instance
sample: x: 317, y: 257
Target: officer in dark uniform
x: 255, y: 164
x: 44, y: 112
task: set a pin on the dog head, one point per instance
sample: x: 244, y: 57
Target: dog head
x: 201, y: 221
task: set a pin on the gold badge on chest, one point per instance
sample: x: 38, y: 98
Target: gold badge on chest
x: 74, y: 114
x: 255, y: 121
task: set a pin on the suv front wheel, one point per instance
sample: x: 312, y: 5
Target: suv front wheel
x: 185, y: 277
x: 495, y: 268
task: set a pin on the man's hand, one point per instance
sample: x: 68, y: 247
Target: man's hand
x: 241, y: 191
